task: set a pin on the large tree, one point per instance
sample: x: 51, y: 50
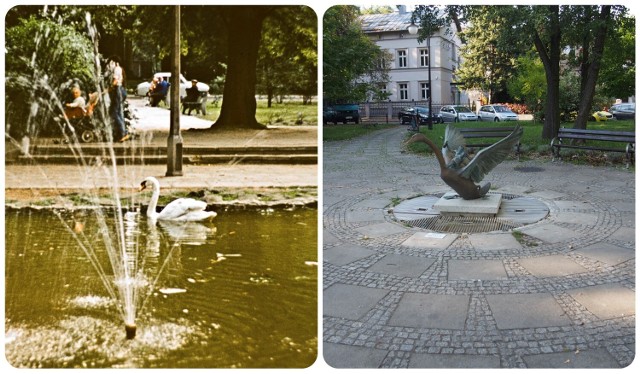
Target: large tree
x: 591, y: 26
x: 486, y: 65
x: 288, y: 59
x: 355, y: 68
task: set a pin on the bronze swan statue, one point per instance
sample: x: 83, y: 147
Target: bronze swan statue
x: 458, y: 169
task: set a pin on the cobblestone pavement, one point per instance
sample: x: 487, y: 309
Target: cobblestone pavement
x: 559, y: 292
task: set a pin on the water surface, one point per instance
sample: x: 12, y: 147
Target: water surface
x: 240, y: 291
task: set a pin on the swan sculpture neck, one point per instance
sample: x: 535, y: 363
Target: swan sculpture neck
x: 434, y: 148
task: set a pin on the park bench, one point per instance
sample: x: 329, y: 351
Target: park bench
x: 485, y: 136
x: 200, y: 105
x: 584, y: 139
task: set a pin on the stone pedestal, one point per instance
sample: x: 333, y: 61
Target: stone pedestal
x: 452, y: 205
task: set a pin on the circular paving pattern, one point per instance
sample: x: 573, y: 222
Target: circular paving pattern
x: 553, y: 291
x: 513, y: 211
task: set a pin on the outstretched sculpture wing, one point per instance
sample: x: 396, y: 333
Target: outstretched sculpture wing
x: 453, y: 140
x: 490, y: 157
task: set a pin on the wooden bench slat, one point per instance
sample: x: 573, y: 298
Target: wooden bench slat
x: 607, y: 138
x: 596, y: 132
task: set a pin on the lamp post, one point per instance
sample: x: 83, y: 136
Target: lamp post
x: 174, y: 141
x: 413, y: 30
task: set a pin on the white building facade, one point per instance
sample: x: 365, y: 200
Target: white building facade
x: 408, y: 73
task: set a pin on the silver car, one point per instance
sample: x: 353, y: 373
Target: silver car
x: 496, y: 113
x: 623, y: 111
x: 457, y: 113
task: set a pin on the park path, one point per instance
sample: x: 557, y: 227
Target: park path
x: 561, y: 294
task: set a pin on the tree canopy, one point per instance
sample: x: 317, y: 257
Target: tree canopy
x: 354, y: 67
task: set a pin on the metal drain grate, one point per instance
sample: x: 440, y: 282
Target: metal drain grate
x: 469, y: 225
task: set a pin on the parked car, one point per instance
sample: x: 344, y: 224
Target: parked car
x: 496, y: 113
x: 143, y: 88
x: 328, y: 115
x: 601, y: 116
x: 341, y: 113
x: 407, y: 113
x: 457, y: 113
x: 623, y: 111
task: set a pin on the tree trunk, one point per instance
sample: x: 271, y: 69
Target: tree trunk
x: 589, y: 83
x: 244, y: 25
x: 551, y: 61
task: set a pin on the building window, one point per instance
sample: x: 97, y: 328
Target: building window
x: 403, y: 90
x: 425, y: 90
x: 424, y: 57
x: 402, y: 58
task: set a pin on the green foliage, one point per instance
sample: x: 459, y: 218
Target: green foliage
x: 288, y: 61
x: 354, y: 66
x: 529, y: 85
x: 43, y: 60
x: 618, y: 72
x: 376, y: 9
x: 487, y: 65
x: 350, y: 131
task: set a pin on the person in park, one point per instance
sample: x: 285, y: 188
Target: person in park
x: 117, y: 95
x: 76, y: 108
x: 190, y: 101
x: 159, y: 93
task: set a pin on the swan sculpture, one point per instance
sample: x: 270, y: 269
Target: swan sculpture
x: 183, y: 209
x: 459, y: 170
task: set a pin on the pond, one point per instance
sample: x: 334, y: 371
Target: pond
x: 239, y: 291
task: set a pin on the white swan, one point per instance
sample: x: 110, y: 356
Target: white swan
x: 183, y: 209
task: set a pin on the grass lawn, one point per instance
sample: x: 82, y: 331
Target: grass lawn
x: 350, y: 130
x: 532, y: 144
x: 283, y: 114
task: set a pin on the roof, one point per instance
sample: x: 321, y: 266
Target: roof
x: 385, y: 22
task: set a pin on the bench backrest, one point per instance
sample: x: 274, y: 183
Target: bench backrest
x: 486, y: 132
x: 604, y: 135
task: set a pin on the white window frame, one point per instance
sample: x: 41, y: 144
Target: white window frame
x: 425, y: 90
x: 403, y: 91
x: 402, y: 58
x: 424, y: 57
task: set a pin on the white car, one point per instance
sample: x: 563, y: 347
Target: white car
x: 457, y: 113
x: 496, y: 113
x: 143, y: 88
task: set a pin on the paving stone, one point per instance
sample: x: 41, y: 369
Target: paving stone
x: 549, y: 233
x: 589, y: 359
x: 573, y: 205
x: 512, y: 189
x: 429, y: 240
x: 625, y: 234
x: 328, y: 238
x: 431, y: 311
x: 494, y: 241
x: 345, y: 356
x: 440, y: 319
x: 608, y: 253
x: 513, y: 311
x: 587, y: 219
x: 548, y: 194
x: 350, y: 302
x: 476, y: 269
x: 606, y: 301
x: 448, y: 361
x: 346, y: 254
x: 551, y: 266
x: 380, y: 229
x: 373, y: 215
x: 379, y: 203
x: 404, y: 266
